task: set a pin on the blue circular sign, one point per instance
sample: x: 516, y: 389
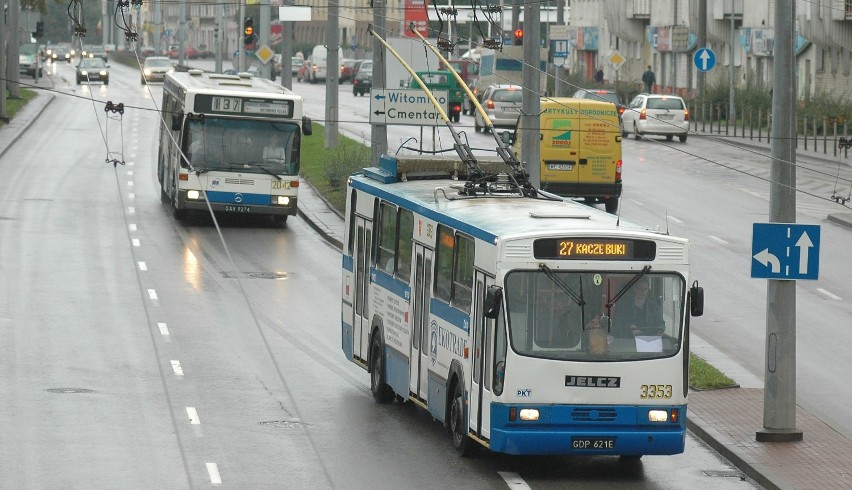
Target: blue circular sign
x: 704, y: 59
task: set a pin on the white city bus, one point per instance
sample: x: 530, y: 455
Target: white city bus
x: 506, y: 315
x: 233, y: 141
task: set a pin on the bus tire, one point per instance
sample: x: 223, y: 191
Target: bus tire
x: 378, y: 382
x: 457, y: 423
x: 280, y: 219
x: 611, y: 205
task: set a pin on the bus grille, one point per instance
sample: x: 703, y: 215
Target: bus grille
x: 594, y: 415
x: 669, y: 252
x: 240, y: 181
x: 518, y: 251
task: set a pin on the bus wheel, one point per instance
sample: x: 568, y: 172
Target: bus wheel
x: 280, y: 219
x: 381, y: 391
x: 458, y: 423
x: 611, y: 204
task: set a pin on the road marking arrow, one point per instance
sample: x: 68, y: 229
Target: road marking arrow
x: 765, y: 258
x: 804, y: 243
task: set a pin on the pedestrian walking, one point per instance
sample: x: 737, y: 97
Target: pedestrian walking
x: 599, y: 75
x: 649, y: 79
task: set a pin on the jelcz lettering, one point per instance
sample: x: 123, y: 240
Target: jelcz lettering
x: 593, y: 381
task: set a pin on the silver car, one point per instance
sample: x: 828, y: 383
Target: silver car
x: 502, y: 103
x: 154, y: 69
x: 656, y: 114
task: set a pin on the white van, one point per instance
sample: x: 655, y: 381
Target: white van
x: 319, y: 63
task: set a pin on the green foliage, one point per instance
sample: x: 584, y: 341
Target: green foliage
x: 328, y: 169
x: 703, y: 376
x: 826, y: 107
x: 14, y: 105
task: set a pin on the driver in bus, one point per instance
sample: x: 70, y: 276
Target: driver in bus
x: 639, y: 314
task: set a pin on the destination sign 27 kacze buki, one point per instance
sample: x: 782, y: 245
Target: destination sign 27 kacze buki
x: 233, y: 105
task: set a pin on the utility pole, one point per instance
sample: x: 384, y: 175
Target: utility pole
x: 181, y: 31
x: 241, y: 45
x: 158, y: 22
x: 732, y: 110
x: 379, y: 132
x: 332, y: 73
x: 287, y: 51
x: 263, y: 36
x: 218, y: 34
x: 4, y: 115
x: 13, y: 47
x: 531, y: 103
x: 779, y: 388
x: 702, y: 43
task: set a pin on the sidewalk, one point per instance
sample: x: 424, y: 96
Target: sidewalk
x: 725, y: 419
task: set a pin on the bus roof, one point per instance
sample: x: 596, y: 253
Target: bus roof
x: 200, y: 81
x: 493, y: 218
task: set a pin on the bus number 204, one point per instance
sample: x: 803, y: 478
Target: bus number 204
x: 656, y: 391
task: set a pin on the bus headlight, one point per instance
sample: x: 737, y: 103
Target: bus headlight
x: 281, y: 200
x: 194, y: 195
x: 658, y: 415
x: 529, y: 414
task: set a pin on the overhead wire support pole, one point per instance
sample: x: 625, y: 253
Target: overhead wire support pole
x: 332, y: 74
x: 779, y: 392
x: 379, y: 132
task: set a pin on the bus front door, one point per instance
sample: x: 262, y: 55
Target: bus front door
x: 422, y: 282
x: 361, y: 275
x: 483, y: 340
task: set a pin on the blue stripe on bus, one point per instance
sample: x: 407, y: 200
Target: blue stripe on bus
x: 387, y: 281
x: 561, y: 429
x: 424, y: 211
x: 245, y: 199
x: 448, y: 313
x: 348, y: 263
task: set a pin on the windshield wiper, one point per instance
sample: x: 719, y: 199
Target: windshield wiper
x: 633, y: 280
x: 578, y: 298
x: 255, y: 165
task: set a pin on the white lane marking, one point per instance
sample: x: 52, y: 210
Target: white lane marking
x: 213, y: 470
x: 678, y: 221
x: 164, y: 329
x: 132, y: 226
x: 129, y: 183
x: 131, y: 195
x: 130, y: 163
x: 193, y: 416
x: 152, y: 294
x: 176, y: 368
x: 717, y: 239
x: 828, y: 294
x: 136, y: 242
x: 638, y: 203
x: 514, y: 480
x: 130, y: 173
x: 143, y: 266
x: 131, y: 210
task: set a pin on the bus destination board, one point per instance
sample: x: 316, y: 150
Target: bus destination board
x: 249, y: 106
x: 585, y: 248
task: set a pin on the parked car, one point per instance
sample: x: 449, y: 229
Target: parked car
x: 656, y: 114
x: 502, y: 103
x: 92, y: 70
x: 154, y: 69
x: 363, y: 81
x: 602, y: 95
x: 29, y: 61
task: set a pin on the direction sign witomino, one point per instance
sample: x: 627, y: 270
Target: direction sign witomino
x: 406, y: 106
x: 785, y: 251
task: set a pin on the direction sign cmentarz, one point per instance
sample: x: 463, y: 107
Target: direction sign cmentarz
x: 406, y: 106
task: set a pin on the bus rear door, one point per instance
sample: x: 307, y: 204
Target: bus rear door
x: 361, y: 275
x: 419, y: 358
x: 483, y: 338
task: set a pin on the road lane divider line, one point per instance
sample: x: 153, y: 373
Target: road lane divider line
x: 213, y: 471
x: 513, y: 480
x: 176, y: 368
x: 718, y: 240
x: 132, y: 226
x: 136, y: 242
x: 131, y: 196
x: 143, y: 266
x: 164, y: 329
x: 829, y: 294
x: 193, y: 416
x: 676, y: 220
x: 152, y: 294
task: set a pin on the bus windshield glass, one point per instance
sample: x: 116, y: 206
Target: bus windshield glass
x: 594, y: 315
x: 262, y: 147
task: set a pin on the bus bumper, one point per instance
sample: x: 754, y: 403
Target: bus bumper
x: 574, y: 189
x: 581, y: 429
x: 249, y: 206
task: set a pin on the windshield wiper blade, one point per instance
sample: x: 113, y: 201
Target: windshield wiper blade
x: 255, y: 165
x: 578, y: 298
x: 633, y: 280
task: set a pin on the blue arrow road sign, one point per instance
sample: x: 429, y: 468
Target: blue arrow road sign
x: 704, y: 59
x: 785, y: 251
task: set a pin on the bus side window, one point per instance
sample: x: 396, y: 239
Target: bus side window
x: 463, y: 274
x: 406, y: 232
x: 444, y: 264
x: 386, y: 250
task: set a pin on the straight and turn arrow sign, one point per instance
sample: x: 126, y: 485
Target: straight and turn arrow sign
x: 785, y: 251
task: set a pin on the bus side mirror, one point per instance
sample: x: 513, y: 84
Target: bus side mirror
x: 696, y: 300
x: 493, y: 301
x: 307, y: 126
x: 508, y: 137
x: 177, y: 120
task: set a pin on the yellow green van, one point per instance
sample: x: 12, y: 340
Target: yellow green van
x: 580, y: 149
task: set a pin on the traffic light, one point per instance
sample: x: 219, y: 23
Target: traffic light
x: 519, y: 37
x: 39, y: 32
x: 248, y: 30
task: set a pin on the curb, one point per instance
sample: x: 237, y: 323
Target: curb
x: 19, y: 130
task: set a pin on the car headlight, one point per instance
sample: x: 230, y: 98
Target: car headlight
x: 84, y: 72
x: 147, y: 71
x: 103, y: 73
x: 171, y: 70
x: 192, y: 194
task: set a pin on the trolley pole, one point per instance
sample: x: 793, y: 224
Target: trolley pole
x: 779, y: 390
